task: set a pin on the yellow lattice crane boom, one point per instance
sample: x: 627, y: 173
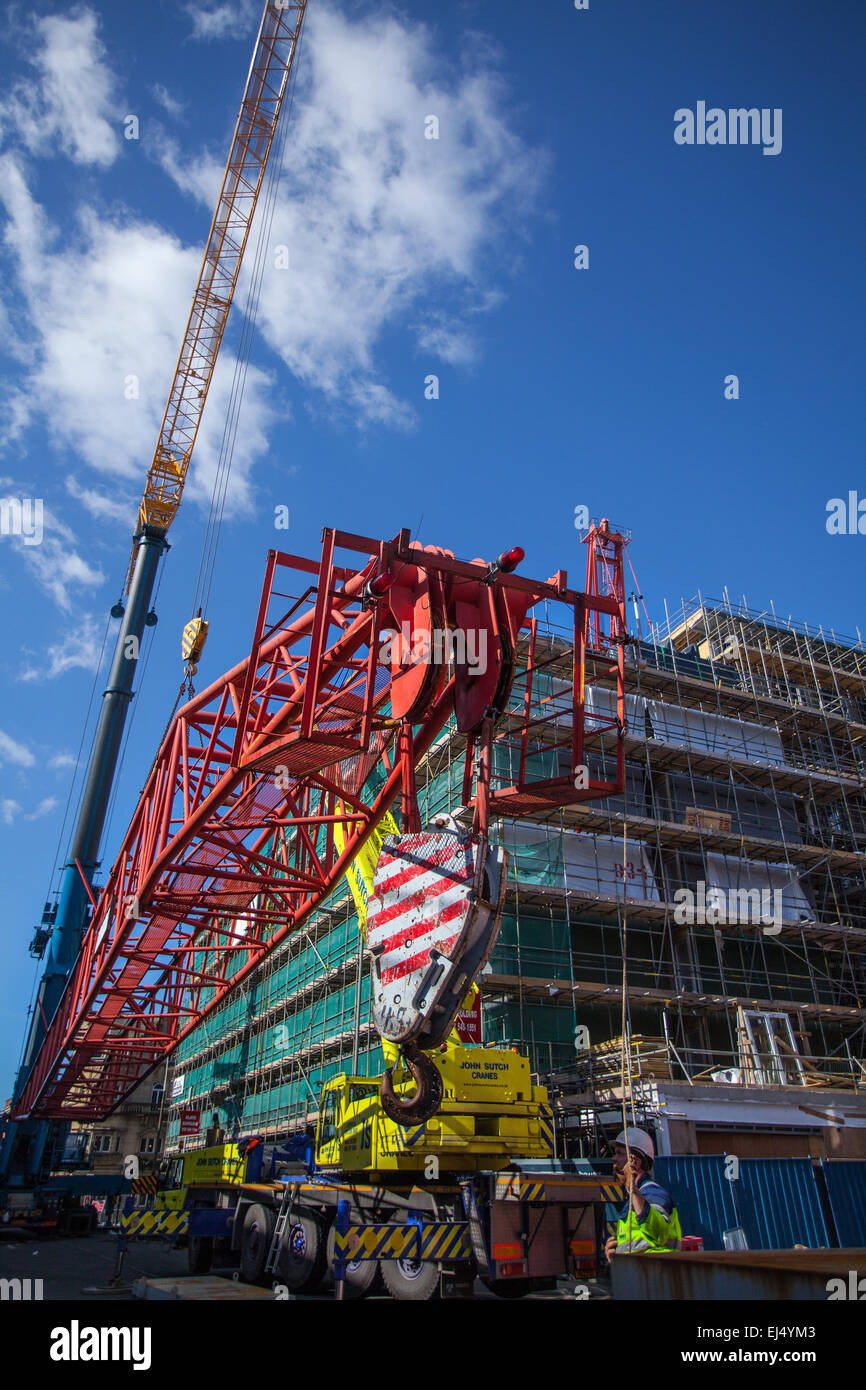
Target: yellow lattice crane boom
x: 266, y: 87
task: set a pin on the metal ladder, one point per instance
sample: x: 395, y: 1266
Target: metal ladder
x: 476, y: 1227
x: 283, y: 1215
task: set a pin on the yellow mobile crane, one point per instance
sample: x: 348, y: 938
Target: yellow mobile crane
x: 421, y: 1209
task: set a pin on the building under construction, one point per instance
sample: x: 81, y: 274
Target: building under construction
x: 713, y: 916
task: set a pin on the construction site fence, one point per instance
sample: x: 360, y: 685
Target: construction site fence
x: 777, y: 1202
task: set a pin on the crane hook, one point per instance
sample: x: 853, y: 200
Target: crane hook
x: 421, y: 1106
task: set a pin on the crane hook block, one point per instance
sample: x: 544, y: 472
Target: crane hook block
x: 421, y: 1105
x: 194, y: 638
x: 432, y: 922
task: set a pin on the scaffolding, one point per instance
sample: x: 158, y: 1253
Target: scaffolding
x: 744, y: 880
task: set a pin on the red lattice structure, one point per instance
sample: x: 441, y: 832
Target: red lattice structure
x: 232, y: 847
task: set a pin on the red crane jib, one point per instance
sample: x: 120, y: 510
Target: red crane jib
x: 348, y: 684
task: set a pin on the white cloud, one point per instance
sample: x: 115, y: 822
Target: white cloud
x: 61, y: 761
x: 11, y: 751
x: 54, y: 561
x: 387, y: 232
x: 10, y: 809
x: 382, y: 225
x: 71, y: 107
x: 168, y: 103
x: 104, y: 355
x: 452, y: 345
x: 58, y: 569
x: 79, y: 646
x: 100, y: 506
x: 223, y: 21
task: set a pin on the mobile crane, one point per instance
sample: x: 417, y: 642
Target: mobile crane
x: 26, y: 1148
x: 270, y: 782
x: 427, y: 1208
x: 417, y: 1161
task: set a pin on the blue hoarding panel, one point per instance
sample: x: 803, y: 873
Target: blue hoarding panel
x: 702, y: 1195
x: 779, y: 1204
x: 774, y: 1200
x: 846, y: 1188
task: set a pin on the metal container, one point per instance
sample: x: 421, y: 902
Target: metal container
x: 743, y: 1276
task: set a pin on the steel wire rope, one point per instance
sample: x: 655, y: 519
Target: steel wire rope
x: 211, y: 539
x: 220, y: 488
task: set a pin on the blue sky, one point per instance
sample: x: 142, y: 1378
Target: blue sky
x: 407, y: 257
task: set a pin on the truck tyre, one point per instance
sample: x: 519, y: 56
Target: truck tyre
x: 256, y: 1239
x: 509, y: 1288
x: 199, y: 1255
x: 302, y: 1259
x: 362, y: 1276
x: 414, y: 1281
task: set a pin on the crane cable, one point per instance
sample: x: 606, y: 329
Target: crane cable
x: 210, y: 543
x: 624, y: 1018
x: 207, y: 559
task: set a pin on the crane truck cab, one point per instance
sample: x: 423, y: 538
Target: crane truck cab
x: 199, y: 1170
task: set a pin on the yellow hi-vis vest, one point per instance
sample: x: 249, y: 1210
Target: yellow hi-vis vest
x: 652, y: 1234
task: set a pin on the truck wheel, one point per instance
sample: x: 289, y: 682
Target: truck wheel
x: 199, y: 1255
x: 509, y: 1288
x: 256, y: 1243
x: 362, y: 1276
x: 302, y: 1259
x: 411, y: 1280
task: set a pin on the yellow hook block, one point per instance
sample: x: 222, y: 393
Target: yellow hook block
x: 194, y: 638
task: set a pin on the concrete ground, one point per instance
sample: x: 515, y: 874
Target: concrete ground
x: 79, y: 1268
x: 68, y: 1266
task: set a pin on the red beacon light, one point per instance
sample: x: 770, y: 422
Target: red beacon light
x: 377, y: 587
x: 510, y: 559
x: 505, y: 563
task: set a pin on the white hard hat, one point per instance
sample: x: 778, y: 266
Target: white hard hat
x: 637, y: 1139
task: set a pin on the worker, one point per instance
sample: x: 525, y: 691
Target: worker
x: 648, y: 1221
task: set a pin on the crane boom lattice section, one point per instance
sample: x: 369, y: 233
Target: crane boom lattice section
x: 232, y: 845
x: 265, y: 91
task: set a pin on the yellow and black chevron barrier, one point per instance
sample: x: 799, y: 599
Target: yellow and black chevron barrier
x: 146, y: 1186
x: 440, y: 1240
x: 512, y: 1187
x: 545, y: 1124
x: 613, y: 1192
x: 150, y: 1221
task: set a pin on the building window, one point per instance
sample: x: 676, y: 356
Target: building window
x: 146, y: 1144
x: 156, y: 1094
x: 102, y: 1143
x: 328, y: 1118
x: 769, y: 1050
